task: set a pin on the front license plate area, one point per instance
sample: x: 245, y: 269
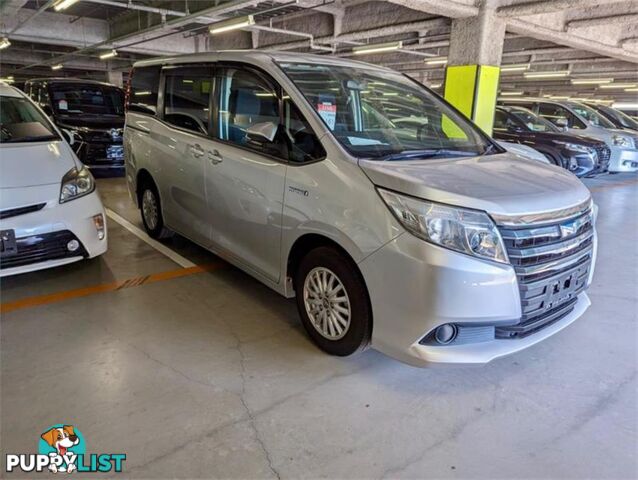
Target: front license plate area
x: 115, y: 152
x: 8, y: 244
x: 566, y: 287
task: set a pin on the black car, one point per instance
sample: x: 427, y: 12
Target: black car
x: 619, y: 119
x: 581, y: 155
x: 90, y: 115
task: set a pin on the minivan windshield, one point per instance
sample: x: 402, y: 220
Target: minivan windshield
x: 591, y: 115
x: 385, y: 115
x: 77, y: 99
x: 20, y: 121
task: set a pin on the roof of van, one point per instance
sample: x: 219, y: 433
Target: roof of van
x: 7, y: 90
x: 71, y: 80
x: 250, y: 56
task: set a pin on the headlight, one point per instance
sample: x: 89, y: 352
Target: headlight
x: 76, y: 183
x: 574, y: 147
x: 466, y: 231
x: 621, y: 141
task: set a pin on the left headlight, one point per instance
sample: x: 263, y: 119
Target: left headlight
x: 76, y: 183
x: 467, y: 231
x: 574, y: 147
x: 621, y: 141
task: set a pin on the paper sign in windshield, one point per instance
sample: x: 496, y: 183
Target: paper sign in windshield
x: 63, y: 105
x: 328, y: 112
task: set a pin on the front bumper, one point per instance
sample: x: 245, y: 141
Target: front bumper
x: 45, y: 232
x: 415, y: 287
x: 623, y: 160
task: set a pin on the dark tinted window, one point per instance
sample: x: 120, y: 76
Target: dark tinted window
x: 186, y: 99
x: 78, y: 99
x: 555, y: 114
x: 143, y: 90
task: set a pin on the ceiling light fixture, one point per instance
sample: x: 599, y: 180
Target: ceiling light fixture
x: 107, y: 55
x: 618, y: 85
x: 520, y: 67
x: 232, y: 24
x: 512, y: 94
x: 591, y: 81
x: 631, y: 89
x: 57, y: 67
x: 4, y: 43
x: 379, y: 47
x: 8, y: 79
x: 63, y: 5
x: 554, y: 74
x: 436, y: 61
x: 625, y: 106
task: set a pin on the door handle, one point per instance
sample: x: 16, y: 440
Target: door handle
x: 196, y: 150
x: 215, y: 157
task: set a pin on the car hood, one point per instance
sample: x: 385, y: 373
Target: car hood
x: 31, y: 164
x: 501, y: 184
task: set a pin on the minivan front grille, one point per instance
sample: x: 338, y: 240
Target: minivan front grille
x: 552, y: 263
x: 604, y: 155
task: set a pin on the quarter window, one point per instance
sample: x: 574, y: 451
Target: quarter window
x: 143, y: 90
x: 304, y: 144
x: 186, y: 99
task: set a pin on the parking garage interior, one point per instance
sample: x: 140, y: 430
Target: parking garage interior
x: 168, y: 353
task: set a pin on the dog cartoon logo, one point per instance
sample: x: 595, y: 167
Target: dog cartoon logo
x: 63, y: 442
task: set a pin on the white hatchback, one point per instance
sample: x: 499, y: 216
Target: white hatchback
x: 50, y: 211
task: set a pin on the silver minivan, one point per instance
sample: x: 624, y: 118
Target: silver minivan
x: 424, y: 240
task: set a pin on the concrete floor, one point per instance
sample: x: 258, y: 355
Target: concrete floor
x: 211, y: 375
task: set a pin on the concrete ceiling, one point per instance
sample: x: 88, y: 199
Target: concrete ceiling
x: 590, y: 38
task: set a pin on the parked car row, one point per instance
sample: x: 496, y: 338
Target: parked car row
x: 393, y: 220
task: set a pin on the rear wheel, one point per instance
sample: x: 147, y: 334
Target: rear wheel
x: 151, y: 210
x: 333, y: 302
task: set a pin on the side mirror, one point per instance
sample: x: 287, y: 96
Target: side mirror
x: 262, y: 133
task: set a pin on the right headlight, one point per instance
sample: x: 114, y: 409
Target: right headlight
x: 467, y: 231
x: 621, y: 141
x: 574, y: 147
x: 76, y: 183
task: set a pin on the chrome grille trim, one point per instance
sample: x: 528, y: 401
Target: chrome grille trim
x: 544, y: 218
x: 553, y: 248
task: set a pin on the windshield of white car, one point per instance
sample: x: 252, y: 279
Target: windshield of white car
x: 532, y: 121
x: 76, y: 99
x: 591, y: 115
x: 385, y: 115
x: 21, y: 121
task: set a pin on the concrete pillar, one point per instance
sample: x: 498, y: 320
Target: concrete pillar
x: 114, y: 78
x: 473, y: 69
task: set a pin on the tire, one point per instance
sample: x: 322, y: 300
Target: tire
x: 151, y: 211
x: 343, y: 276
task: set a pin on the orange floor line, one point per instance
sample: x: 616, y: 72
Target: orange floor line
x: 105, y: 287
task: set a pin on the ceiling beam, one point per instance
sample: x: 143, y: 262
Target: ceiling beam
x: 620, y: 19
x: 548, y: 6
x: 445, y: 8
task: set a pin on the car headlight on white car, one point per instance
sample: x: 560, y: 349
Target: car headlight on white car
x: 621, y: 141
x: 467, y: 231
x: 76, y: 183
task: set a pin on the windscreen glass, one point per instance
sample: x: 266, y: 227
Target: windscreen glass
x: 384, y: 115
x: 74, y: 99
x: 20, y: 121
x: 591, y: 115
x: 532, y: 121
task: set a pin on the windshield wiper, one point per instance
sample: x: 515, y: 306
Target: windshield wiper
x: 423, y: 154
x: 35, y: 138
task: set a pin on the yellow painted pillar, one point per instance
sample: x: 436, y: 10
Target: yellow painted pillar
x: 473, y: 89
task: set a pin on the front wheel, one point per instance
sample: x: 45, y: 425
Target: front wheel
x: 333, y: 302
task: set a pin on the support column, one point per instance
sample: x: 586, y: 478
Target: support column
x: 114, y: 78
x: 473, y: 70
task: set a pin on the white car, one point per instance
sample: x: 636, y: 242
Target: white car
x: 524, y: 151
x: 50, y: 211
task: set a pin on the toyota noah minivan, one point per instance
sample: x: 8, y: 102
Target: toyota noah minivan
x: 424, y: 240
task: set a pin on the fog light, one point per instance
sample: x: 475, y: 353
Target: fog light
x: 73, y: 245
x: 98, y: 221
x: 445, y: 333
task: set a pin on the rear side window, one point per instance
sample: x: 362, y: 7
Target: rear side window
x: 143, y: 88
x: 187, y: 96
